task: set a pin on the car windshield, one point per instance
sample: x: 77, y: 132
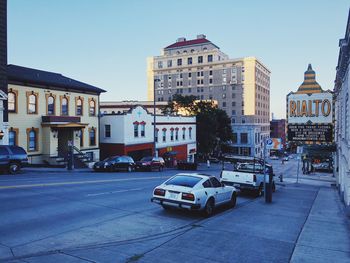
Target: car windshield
x: 110, y: 159
x: 146, y: 159
x: 184, y: 180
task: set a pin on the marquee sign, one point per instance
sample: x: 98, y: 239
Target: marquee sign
x: 310, y: 117
x: 310, y: 132
x: 315, y: 108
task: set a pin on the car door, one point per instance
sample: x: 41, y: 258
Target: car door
x: 220, y: 192
x: 4, y: 156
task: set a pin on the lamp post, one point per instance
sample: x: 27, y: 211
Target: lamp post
x: 154, y: 116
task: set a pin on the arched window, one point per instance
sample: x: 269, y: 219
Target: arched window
x: 190, y: 133
x: 136, y: 129
x: 183, y: 133
x: 177, y: 134
x: 64, y: 106
x: 143, y: 129
x: 164, y: 135
x: 50, y: 105
x: 32, y: 145
x: 92, y: 107
x: 12, y: 137
x: 32, y: 104
x: 92, y: 136
x: 12, y: 102
x: 171, y: 134
x: 79, y: 107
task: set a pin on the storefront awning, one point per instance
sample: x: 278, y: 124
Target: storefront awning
x: 65, y: 125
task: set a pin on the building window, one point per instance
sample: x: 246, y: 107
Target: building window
x: 234, y: 137
x: 50, y: 100
x: 164, y: 135
x: 170, y: 63
x: 179, y: 62
x: 160, y: 64
x: 189, y: 74
x: 233, y: 104
x: 156, y: 135
x: 12, y: 101
x: 92, y: 107
x: 190, y: 133
x: 136, y: 129
x: 32, y: 139
x: 224, y: 96
x: 234, y: 112
x: 176, y: 134
x: 64, y: 105
x: 210, y: 81
x: 32, y: 102
x: 171, y: 134
x: 244, y: 137
x: 108, y: 131
x: 13, y: 135
x: 189, y: 61
x: 79, y: 106
x: 200, y: 59
x: 210, y: 58
x: 143, y: 129
x: 224, y: 104
x: 184, y: 133
x: 92, y: 136
x: 210, y: 73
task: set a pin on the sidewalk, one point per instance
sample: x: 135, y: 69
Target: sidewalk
x: 53, y: 170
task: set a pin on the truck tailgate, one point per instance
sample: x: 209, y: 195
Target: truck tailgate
x: 237, y: 177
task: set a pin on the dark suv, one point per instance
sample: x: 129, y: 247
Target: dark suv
x: 12, y: 158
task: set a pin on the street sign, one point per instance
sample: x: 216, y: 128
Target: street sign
x: 274, y: 143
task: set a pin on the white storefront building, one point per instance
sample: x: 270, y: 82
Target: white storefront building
x: 131, y: 133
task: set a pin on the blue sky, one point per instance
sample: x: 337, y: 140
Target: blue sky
x: 106, y: 42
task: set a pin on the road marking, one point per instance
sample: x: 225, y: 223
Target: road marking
x: 114, y: 192
x: 81, y: 182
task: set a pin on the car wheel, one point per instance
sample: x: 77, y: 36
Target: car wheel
x: 209, y: 207
x: 233, y: 200
x: 129, y: 169
x: 259, y: 192
x: 273, y: 187
x: 14, y: 168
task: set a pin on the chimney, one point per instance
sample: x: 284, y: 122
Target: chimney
x: 181, y: 39
x: 201, y: 36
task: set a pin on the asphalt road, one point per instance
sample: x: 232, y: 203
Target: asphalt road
x: 42, y: 213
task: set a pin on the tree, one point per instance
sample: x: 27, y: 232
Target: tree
x: 213, y: 124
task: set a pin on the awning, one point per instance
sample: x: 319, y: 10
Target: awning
x: 65, y: 125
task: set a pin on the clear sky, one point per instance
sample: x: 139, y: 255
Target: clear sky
x: 106, y: 42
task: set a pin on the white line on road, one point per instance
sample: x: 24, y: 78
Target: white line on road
x: 114, y: 192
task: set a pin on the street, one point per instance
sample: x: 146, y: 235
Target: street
x: 85, y: 216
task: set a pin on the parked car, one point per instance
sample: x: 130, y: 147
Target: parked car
x: 274, y: 157
x: 285, y: 158
x: 150, y: 163
x: 194, y: 191
x: 115, y: 163
x: 322, y: 167
x: 12, y: 158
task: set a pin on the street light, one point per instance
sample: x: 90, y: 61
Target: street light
x: 154, y: 116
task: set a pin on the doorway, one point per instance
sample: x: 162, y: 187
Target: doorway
x: 64, y: 135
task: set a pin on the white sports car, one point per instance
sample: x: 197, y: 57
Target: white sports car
x: 194, y: 191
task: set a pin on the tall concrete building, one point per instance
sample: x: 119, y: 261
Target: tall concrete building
x: 240, y: 86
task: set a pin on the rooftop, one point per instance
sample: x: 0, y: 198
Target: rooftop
x: 30, y: 76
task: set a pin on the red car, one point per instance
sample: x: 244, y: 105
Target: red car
x: 150, y: 163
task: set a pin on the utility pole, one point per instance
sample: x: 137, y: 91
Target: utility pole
x: 154, y: 117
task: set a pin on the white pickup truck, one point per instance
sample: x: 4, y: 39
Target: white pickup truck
x: 247, y: 174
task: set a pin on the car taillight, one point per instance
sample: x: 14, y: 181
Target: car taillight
x: 159, y: 191
x: 254, y: 177
x: 189, y: 197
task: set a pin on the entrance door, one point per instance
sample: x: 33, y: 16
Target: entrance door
x: 64, y: 135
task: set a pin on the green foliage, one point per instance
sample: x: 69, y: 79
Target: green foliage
x: 213, y: 124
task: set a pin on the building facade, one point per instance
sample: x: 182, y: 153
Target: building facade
x: 48, y: 112
x: 3, y: 77
x: 342, y: 129
x: 131, y: 133
x: 198, y: 67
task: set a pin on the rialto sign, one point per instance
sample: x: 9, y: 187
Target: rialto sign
x: 310, y: 117
x: 315, y: 108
